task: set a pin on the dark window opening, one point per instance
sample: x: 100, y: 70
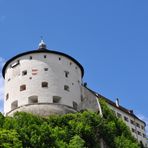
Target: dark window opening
x: 126, y: 119
x: 45, y: 56
x: 139, y: 133
x: 14, y: 105
x: 33, y: 99
x: 144, y: 136
x: 132, y: 122
x: 56, y: 99
x: 30, y: 57
x: 7, y: 96
x: 82, y: 98
x: 142, y: 127
x: 66, y: 74
x: 45, y: 69
x: 22, y: 87
x: 44, y: 84
x: 66, y: 87
x: 133, y: 130
x: 59, y: 58
x: 24, y: 72
x: 75, y: 105
x: 137, y: 124
x: 119, y: 115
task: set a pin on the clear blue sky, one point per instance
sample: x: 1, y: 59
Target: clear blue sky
x: 109, y: 38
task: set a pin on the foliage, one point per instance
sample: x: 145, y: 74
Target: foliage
x: 9, y: 138
x: 117, y: 131
x: 79, y: 130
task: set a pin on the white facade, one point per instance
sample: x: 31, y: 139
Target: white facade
x: 42, y: 77
x: 136, y: 126
x: 48, y: 82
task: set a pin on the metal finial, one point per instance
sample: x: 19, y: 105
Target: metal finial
x: 42, y: 44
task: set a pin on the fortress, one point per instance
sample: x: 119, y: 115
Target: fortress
x: 48, y: 82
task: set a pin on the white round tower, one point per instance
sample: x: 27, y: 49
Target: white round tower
x: 43, y: 82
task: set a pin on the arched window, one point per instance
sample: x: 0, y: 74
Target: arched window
x: 56, y: 99
x: 44, y: 84
x: 33, y: 99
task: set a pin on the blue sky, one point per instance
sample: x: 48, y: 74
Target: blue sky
x: 109, y: 38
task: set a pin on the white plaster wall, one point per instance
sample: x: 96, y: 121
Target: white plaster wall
x: 55, y: 77
x: 89, y: 102
x: 138, y: 137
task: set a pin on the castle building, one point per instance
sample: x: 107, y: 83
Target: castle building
x: 38, y: 80
x: 46, y: 82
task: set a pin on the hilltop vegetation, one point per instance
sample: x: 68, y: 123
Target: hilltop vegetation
x: 79, y: 130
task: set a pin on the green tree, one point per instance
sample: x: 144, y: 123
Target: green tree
x: 9, y: 139
x: 76, y: 142
x: 78, y: 130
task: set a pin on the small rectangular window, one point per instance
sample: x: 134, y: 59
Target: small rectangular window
x: 45, y: 56
x: 45, y: 69
x: 66, y: 74
x: 44, y: 84
x: 137, y: 124
x: 14, y: 105
x: 24, y: 72
x: 142, y: 127
x: 30, y: 57
x: 22, y: 87
x: 126, y: 118
x: 66, y: 87
x: 7, y: 96
x: 144, y: 136
x: 133, y: 130
x: 139, y: 133
x: 132, y: 122
x: 75, y: 105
